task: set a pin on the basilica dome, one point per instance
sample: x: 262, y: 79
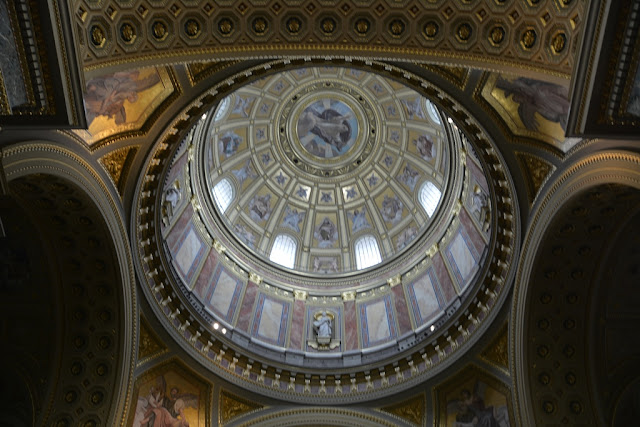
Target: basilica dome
x: 324, y: 195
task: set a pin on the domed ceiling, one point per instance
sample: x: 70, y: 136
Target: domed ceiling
x: 322, y: 219
x: 324, y: 158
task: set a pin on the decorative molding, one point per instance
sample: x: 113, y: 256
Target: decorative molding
x: 536, y: 171
x: 232, y: 406
x: 412, y: 410
x: 149, y: 345
x: 118, y: 163
x: 497, y: 352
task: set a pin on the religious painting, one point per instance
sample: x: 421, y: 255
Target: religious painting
x: 413, y: 108
x: 325, y: 232
x: 123, y: 101
x: 391, y: 208
x: 292, y: 218
x: 169, y: 396
x: 473, y: 398
x: 260, y: 207
x: 531, y: 107
x: 327, y: 128
x: 423, y: 145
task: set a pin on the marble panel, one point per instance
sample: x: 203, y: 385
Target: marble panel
x: 297, y: 328
x: 178, y: 229
x: 402, y: 311
x: 225, y: 293
x: 246, y: 309
x: 270, y: 321
x: 462, y: 257
x: 350, y: 326
x: 423, y: 294
x: 472, y: 231
x: 203, y: 282
x: 444, y: 280
x: 377, y: 321
x: 189, y: 253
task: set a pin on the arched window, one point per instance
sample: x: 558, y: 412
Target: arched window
x: 283, y: 251
x: 429, y: 197
x: 222, y: 109
x: 223, y: 194
x: 367, y: 252
x: 433, y: 112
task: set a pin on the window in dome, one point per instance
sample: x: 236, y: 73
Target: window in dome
x: 223, y: 194
x: 367, y: 252
x: 222, y: 109
x: 429, y: 197
x: 283, y: 251
x: 433, y: 112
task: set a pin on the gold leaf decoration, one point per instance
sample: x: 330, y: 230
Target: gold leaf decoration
x: 150, y: 344
x: 117, y: 163
x: 199, y: 71
x: 233, y: 406
x: 412, y: 410
x: 497, y: 352
x: 535, y: 172
x: 456, y: 75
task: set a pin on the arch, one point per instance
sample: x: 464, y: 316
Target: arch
x: 367, y: 252
x: 41, y: 160
x: 609, y: 167
x: 283, y: 250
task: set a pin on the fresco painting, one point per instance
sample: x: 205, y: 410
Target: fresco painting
x: 123, y: 101
x: 169, y: 397
x: 473, y: 399
x: 531, y: 107
x: 327, y: 128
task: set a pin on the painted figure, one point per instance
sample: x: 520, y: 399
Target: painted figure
x: 105, y: 95
x: 334, y: 129
x: 292, y: 219
x: 326, y: 233
x: 260, y: 207
x: 547, y: 99
x: 358, y: 220
x: 228, y: 144
x: 392, y: 209
x: 425, y: 146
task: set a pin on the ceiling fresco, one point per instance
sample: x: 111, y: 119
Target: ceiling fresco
x: 123, y: 101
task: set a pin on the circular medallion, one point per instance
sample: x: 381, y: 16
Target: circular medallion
x: 327, y: 128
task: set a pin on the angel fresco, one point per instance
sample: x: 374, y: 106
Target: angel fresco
x: 532, y: 96
x: 326, y: 233
x: 159, y: 409
x: 105, y: 95
x: 470, y: 409
x: 392, y: 209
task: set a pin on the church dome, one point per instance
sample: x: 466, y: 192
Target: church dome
x: 321, y: 218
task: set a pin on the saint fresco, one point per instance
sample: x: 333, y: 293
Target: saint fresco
x: 477, y: 404
x: 327, y: 128
x: 169, y: 397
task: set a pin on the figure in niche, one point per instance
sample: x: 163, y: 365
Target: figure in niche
x: 425, y: 146
x: 105, y: 96
x: 406, y: 237
x: 332, y: 127
x: 392, y: 209
x: 480, y: 207
x: 470, y: 409
x: 260, y: 207
x: 292, y: 219
x: 228, y: 144
x: 245, y: 172
x: 358, y: 220
x: 532, y: 96
x: 322, y: 325
x: 171, y: 199
x: 326, y: 233
x: 413, y: 109
x: 409, y: 177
